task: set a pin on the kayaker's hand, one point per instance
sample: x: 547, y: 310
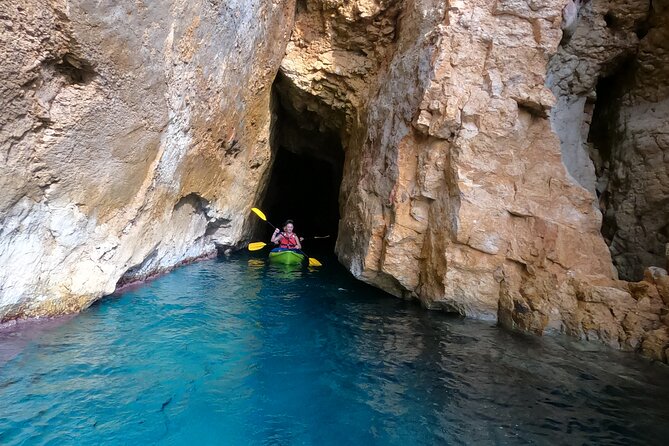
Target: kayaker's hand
x: 276, y: 231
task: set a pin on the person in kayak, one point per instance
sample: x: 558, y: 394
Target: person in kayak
x: 286, y: 239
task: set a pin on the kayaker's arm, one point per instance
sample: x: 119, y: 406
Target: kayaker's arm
x: 276, y: 236
x: 297, y: 241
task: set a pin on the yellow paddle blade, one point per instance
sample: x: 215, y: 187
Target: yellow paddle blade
x: 259, y: 213
x: 255, y: 246
x: 314, y: 262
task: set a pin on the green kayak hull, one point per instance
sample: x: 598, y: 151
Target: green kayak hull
x: 286, y: 257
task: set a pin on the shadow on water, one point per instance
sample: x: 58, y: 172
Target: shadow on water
x: 241, y: 351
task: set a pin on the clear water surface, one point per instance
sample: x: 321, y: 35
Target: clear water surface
x: 240, y: 352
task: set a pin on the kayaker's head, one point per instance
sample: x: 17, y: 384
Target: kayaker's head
x: 288, y: 227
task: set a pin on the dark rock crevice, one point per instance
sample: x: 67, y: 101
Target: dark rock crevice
x: 628, y: 142
x: 604, y: 129
x: 75, y: 70
x: 610, y: 81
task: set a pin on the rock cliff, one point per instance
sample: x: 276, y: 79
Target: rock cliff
x: 121, y: 132
x: 487, y: 144
x: 454, y: 191
x: 469, y: 183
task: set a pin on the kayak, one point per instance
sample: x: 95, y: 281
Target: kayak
x: 285, y: 256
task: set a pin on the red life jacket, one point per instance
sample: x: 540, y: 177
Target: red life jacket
x: 288, y: 242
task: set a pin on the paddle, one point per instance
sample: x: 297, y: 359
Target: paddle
x: 255, y: 246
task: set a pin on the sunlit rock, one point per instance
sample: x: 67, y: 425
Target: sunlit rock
x: 133, y: 138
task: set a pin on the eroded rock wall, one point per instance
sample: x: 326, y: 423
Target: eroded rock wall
x: 137, y: 136
x: 134, y: 136
x: 635, y: 172
x: 610, y: 78
x: 590, y: 50
x: 454, y: 183
x: 465, y: 183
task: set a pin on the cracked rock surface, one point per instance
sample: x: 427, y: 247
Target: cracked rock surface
x: 467, y: 182
x: 120, y: 132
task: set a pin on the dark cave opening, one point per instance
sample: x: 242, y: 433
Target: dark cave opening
x: 306, y: 173
x: 304, y: 189
x: 603, y: 132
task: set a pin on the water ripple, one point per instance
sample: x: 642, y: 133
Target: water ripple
x: 241, y: 352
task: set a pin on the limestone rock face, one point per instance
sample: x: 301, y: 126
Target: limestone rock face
x: 134, y: 136
x: 589, y: 52
x: 468, y: 181
x: 637, y: 192
x: 454, y: 190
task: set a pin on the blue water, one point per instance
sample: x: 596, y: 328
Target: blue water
x: 240, y: 352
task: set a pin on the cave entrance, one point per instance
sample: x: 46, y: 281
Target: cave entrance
x: 306, y: 173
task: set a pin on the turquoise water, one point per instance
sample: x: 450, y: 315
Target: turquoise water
x: 240, y: 352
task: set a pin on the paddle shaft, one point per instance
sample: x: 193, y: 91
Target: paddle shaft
x: 273, y: 227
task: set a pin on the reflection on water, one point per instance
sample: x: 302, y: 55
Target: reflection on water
x: 241, y: 351
x: 278, y: 270
x: 287, y: 272
x: 257, y: 264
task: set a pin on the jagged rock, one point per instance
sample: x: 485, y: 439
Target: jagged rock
x: 659, y: 278
x: 638, y: 172
x: 644, y: 291
x: 610, y: 80
x: 653, y: 273
x: 662, y: 284
x: 478, y: 218
x: 656, y: 343
x: 636, y: 325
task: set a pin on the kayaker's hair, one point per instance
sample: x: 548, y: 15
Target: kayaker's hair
x: 288, y: 222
